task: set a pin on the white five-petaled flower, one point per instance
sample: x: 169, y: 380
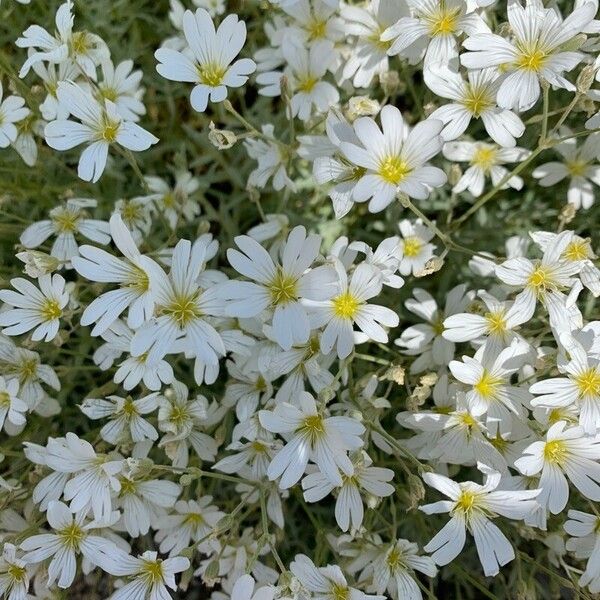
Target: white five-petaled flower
x: 99, y: 126
x: 394, y: 158
x: 579, y: 165
x: 585, y: 543
x: 472, y: 506
x: 65, y: 221
x: 434, y: 25
x: 212, y: 52
x: 349, y: 307
x: 129, y: 272
x: 534, y: 55
x: 311, y: 436
x: 71, y: 537
x: 14, y: 574
x: 580, y: 387
x: 12, y: 111
x: 150, y: 576
x: 181, y: 308
x: 474, y: 98
x: 281, y: 287
x: 121, y: 85
x: 565, y: 453
x: 485, y: 159
x: 415, y: 246
x: 34, y: 308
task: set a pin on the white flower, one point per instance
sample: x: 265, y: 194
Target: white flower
x: 271, y: 161
x: 536, y: 53
x: 472, y: 99
x: 565, y: 453
x: 485, y: 159
x: 585, y: 544
x: 369, y: 55
x: 12, y: 110
x: 182, y: 308
x: 579, y: 165
x: 543, y: 280
x: 136, y: 213
x: 33, y: 308
x: 65, y: 221
x: 126, y: 420
x: 305, y: 70
x: 71, y: 537
x: 434, y: 24
x: 312, y: 436
x: 175, y: 201
x: 85, y: 49
x: 134, y: 292
x: 12, y: 409
x: 100, y: 126
x: 150, y: 576
x: 581, y: 386
x: 244, y: 589
x: 349, y: 509
x: 212, y: 52
x: 192, y: 520
x: 394, y: 158
x: 349, y: 307
x: 281, y: 287
x: 51, y: 75
x: 471, y: 506
x: 385, y: 259
x: 25, y: 145
x: 415, y: 248
x: 325, y: 583
x: 121, y: 85
x: 393, y: 570
x: 426, y: 338
x: 94, y: 475
x: 14, y: 574
x: 488, y: 375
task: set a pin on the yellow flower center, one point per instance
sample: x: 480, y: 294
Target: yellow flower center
x: 179, y: 415
x: 131, y: 212
x: 477, y: 100
x: 316, y: 29
x: 153, y: 570
x: 138, y: 280
x: 194, y: 519
x: 307, y: 83
x: 496, y: 322
x: 340, y: 592
x: 109, y: 93
x: 50, y: 310
x: 531, y: 58
x: 345, y: 306
x: 4, y: 400
x: 576, y: 167
x: 588, y: 383
x: 578, y: 250
x: 313, y: 428
x: 258, y: 447
x: 283, y: 288
x: 71, y: 536
x: 211, y: 74
x: 127, y: 487
x: 394, y: 559
x: 65, y: 221
x: 443, y: 21
x: 541, y: 279
x: 183, y: 310
x: 488, y: 385
x: 484, y: 157
x: 16, y: 573
x: 560, y: 414
x: 393, y: 169
x: 129, y: 409
x: 438, y: 325
x: 110, y: 130
x: 412, y: 246
x: 555, y: 451
x: 466, y: 503
x: 375, y: 40
x: 27, y: 369
x: 467, y: 420
x: 80, y: 43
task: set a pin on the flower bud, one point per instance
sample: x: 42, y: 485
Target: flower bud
x: 38, y: 263
x: 361, y: 106
x: 585, y: 79
x: 390, y: 82
x: 221, y: 139
x: 416, y: 491
x: 433, y: 265
x: 395, y: 373
x: 211, y: 577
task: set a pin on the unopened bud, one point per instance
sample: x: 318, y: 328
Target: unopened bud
x: 433, y: 265
x: 585, y: 79
x: 416, y: 491
x: 361, y: 106
x: 567, y: 213
x: 390, y: 82
x: 38, y: 263
x: 429, y: 379
x: 222, y: 139
x: 210, y: 577
x: 223, y: 524
x: 455, y: 174
x: 574, y: 43
x: 418, y: 397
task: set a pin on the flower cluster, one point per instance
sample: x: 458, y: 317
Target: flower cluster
x: 257, y: 327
